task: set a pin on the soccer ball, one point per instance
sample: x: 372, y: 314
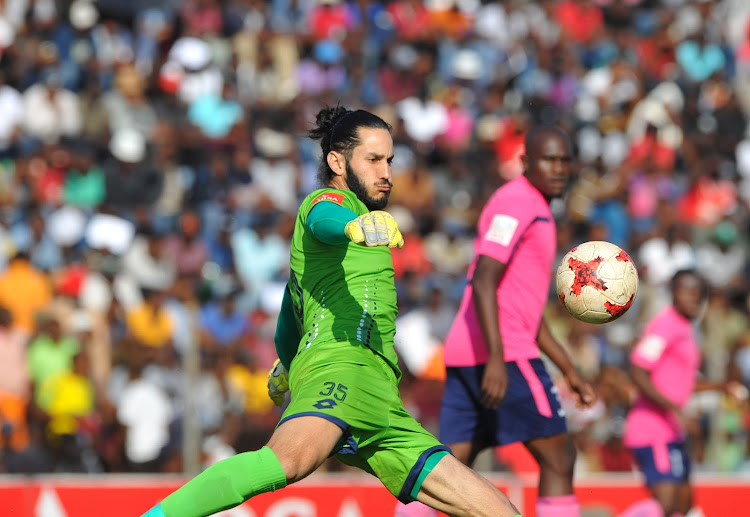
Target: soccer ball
x: 597, y: 282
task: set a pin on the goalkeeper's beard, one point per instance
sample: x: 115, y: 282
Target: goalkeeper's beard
x: 359, y: 189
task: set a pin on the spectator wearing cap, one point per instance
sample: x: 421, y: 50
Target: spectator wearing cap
x: 131, y: 180
x: 74, y: 42
x: 198, y: 73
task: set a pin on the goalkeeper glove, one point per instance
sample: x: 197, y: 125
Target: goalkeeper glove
x: 278, y: 383
x: 376, y: 228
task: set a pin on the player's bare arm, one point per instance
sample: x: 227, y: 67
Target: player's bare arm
x: 642, y: 379
x: 583, y: 391
x: 487, y: 276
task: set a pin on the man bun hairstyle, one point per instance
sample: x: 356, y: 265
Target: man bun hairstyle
x: 337, y: 128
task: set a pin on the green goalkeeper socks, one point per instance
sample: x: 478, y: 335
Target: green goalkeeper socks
x: 226, y: 484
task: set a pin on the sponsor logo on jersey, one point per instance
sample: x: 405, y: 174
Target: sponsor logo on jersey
x: 325, y: 404
x: 329, y: 196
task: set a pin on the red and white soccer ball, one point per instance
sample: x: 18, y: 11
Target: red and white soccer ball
x: 597, y: 282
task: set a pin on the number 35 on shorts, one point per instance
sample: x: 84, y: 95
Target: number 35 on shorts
x: 337, y: 391
x: 331, y: 389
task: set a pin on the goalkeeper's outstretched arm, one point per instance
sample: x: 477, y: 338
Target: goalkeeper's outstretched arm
x: 334, y: 224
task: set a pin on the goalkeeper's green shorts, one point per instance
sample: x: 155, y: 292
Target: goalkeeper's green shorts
x: 353, y: 387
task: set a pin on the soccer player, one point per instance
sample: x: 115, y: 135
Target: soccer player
x: 664, y: 366
x: 335, y: 339
x: 497, y: 389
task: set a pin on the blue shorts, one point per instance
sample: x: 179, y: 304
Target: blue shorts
x: 665, y: 462
x: 531, y: 407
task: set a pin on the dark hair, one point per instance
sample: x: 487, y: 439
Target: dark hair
x: 687, y: 272
x: 535, y: 135
x: 338, y: 130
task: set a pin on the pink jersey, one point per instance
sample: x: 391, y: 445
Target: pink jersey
x: 516, y: 227
x: 669, y: 351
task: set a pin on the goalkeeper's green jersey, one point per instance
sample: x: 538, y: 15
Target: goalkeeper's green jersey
x: 341, y: 293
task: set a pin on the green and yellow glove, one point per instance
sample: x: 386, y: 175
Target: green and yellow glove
x: 376, y: 228
x: 278, y: 383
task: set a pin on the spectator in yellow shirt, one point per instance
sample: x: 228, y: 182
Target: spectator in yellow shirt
x: 67, y: 397
x: 150, y: 323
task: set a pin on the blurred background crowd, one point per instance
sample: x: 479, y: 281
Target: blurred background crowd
x: 153, y: 155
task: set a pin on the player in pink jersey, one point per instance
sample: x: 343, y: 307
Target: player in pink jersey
x: 497, y: 389
x: 664, y: 367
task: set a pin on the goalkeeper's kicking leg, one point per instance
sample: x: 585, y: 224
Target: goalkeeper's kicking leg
x: 296, y: 449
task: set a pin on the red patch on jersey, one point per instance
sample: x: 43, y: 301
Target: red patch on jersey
x: 618, y: 310
x: 329, y: 196
x: 585, y: 275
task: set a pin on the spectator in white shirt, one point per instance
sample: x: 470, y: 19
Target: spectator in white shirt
x: 50, y: 111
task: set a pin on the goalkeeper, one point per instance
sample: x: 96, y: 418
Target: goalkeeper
x: 335, y: 338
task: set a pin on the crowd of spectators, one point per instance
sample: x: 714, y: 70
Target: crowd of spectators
x: 153, y: 155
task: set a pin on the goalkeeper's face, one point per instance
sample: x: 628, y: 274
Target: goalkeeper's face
x: 368, y: 171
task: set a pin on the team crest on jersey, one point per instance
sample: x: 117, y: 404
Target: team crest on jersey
x: 502, y: 228
x: 651, y: 347
x: 329, y: 196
